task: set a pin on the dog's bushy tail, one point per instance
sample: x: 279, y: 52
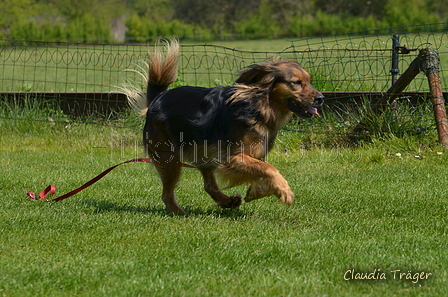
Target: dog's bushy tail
x: 160, y: 72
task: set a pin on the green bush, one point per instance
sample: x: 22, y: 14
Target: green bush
x: 408, y: 12
x: 25, y: 30
x: 302, y: 25
x: 84, y: 29
x: 256, y: 27
x: 53, y: 32
x: 88, y: 28
x: 260, y: 25
x: 326, y: 24
x: 262, y: 22
x: 141, y: 29
x: 137, y: 29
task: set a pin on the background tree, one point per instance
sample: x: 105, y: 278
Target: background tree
x: 94, y: 20
x: 207, y: 13
x: 70, y: 9
x: 153, y: 9
x: 17, y: 10
x: 409, y: 12
x: 361, y: 8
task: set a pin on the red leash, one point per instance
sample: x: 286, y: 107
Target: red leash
x: 52, y: 189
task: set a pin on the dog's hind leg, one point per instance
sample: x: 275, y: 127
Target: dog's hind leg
x: 212, y: 188
x: 169, y: 174
x: 265, y: 179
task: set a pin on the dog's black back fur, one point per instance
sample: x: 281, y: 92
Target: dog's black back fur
x: 201, y: 114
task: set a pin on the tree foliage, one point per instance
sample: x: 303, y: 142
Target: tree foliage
x: 143, y: 20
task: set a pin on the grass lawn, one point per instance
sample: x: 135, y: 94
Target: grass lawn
x: 377, y: 210
x: 358, y: 211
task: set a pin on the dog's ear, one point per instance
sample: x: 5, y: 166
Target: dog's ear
x: 261, y: 74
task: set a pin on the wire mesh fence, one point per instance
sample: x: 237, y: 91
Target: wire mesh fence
x: 364, y: 62
x: 351, y: 69
x: 64, y: 67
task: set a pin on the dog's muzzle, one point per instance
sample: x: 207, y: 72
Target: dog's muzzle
x: 303, y: 111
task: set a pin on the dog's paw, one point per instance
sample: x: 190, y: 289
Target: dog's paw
x: 283, y: 192
x: 232, y: 202
x: 286, y: 196
x: 263, y: 188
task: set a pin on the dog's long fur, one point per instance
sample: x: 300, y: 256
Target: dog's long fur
x: 223, y: 130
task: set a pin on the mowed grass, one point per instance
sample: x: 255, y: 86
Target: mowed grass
x: 361, y: 208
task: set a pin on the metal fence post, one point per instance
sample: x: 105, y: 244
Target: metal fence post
x: 395, y: 55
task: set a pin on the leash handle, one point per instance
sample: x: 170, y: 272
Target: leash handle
x: 42, y: 195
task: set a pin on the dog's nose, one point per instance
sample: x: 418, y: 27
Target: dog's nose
x: 319, y: 99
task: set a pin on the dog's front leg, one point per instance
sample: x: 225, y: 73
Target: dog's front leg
x: 265, y: 179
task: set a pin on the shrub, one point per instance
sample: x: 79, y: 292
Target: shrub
x: 83, y: 29
x: 260, y: 25
x: 136, y: 29
x: 141, y: 29
x: 25, y: 30
x: 88, y: 28
x: 263, y: 22
x: 408, y: 12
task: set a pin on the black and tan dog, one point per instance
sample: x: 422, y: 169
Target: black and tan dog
x: 223, y: 130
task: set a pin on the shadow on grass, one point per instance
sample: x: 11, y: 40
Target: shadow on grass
x: 107, y: 206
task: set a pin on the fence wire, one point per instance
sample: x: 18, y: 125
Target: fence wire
x: 355, y: 66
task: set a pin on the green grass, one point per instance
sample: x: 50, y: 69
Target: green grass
x: 357, y: 207
x: 361, y: 208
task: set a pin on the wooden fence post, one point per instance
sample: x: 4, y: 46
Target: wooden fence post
x: 430, y: 66
x: 427, y: 61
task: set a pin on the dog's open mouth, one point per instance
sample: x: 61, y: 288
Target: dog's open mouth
x: 300, y: 110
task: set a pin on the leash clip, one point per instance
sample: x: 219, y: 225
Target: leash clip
x: 31, y: 195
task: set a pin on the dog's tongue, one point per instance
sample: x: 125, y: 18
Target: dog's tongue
x: 312, y: 110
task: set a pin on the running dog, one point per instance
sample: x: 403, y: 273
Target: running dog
x: 226, y: 131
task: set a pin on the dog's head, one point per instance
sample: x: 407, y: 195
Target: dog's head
x: 287, y: 84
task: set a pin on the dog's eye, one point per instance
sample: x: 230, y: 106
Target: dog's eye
x: 297, y: 82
